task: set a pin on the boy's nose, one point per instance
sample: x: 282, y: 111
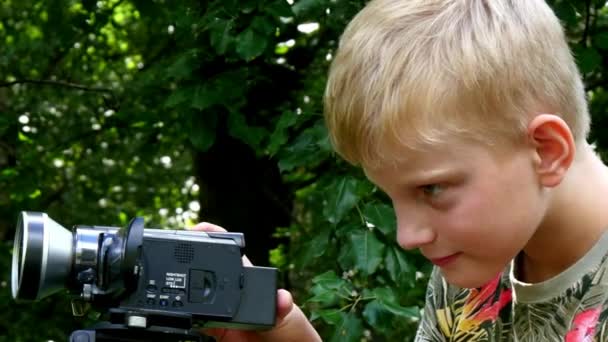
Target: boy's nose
x: 412, y: 235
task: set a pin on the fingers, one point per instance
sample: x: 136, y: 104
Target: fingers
x: 284, y: 304
x: 246, y: 261
x: 207, y: 227
x: 292, y: 325
x: 284, y: 307
x: 210, y: 227
x: 217, y: 333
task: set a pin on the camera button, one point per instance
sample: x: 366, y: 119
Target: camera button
x: 178, y: 303
x: 80, y: 337
x: 163, y: 302
x: 173, y: 291
x: 151, y: 301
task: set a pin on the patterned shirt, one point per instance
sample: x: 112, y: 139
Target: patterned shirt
x: 572, y: 306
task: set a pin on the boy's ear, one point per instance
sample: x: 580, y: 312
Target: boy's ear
x: 555, y: 148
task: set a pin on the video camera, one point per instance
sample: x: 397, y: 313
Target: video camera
x: 152, y: 284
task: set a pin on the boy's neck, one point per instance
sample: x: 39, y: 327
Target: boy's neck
x: 576, y: 218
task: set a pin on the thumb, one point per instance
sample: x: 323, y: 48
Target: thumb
x: 292, y: 324
x: 284, y: 304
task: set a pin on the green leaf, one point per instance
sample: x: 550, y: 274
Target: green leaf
x: 327, y: 287
x: 247, y: 6
x: 342, y: 197
x: 350, y: 328
x: 139, y: 124
x: 385, y: 294
x: 315, y: 248
x: 220, y: 35
x: 325, y: 298
x: 376, y: 315
x: 279, y: 8
x: 396, y: 309
x: 306, y: 149
x: 346, y: 256
x: 369, y: 251
x: 398, y: 266
x: 202, y: 130
x: 389, y: 301
x: 24, y: 138
x: 301, y: 152
x: 278, y: 257
x: 184, y: 19
x: 35, y: 194
x: 381, y: 316
x: 264, y: 26
x: 566, y: 12
x: 229, y: 89
x: 279, y: 136
x: 330, y: 316
x: 307, y: 7
x: 122, y: 216
x: 203, y: 97
x: 8, y: 173
x: 601, y: 40
x: 329, y: 280
x: 4, y: 124
x: 184, y: 65
x: 588, y: 59
x: 238, y: 128
x: 382, y: 217
x: 250, y: 44
x: 345, y: 230
x: 178, y: 96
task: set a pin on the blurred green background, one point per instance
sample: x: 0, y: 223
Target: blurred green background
x: 187, y: 111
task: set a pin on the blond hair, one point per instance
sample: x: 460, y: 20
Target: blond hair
x: 413, y: 72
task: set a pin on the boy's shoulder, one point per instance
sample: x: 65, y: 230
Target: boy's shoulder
x: 571, y: 303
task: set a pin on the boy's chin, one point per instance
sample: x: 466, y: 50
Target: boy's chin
x: 470, y: 279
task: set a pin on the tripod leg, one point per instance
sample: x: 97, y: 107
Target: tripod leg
x: 99, y: 334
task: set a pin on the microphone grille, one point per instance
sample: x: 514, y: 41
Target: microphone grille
x: 184, y: 253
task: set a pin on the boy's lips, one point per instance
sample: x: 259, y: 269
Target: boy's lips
x: 445, y: 260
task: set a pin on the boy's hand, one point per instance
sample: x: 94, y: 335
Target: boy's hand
x: 291, y: 325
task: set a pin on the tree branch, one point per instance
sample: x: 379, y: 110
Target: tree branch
x: 587, y: 26
x: 58, y: 58
x: 59, y: 84
x: 8, y: 148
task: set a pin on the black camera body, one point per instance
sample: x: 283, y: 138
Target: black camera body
x: 183, y: 273
x: 153, y: 283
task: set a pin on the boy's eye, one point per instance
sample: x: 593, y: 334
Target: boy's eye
x: 431, y: 190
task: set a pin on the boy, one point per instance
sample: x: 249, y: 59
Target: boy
x: 471, y: 116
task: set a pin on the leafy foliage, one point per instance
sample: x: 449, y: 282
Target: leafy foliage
x: 116, y: 108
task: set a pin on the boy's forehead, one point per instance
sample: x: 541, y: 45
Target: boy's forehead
x: 421, y: 163
x: 407, y: 160
x: 399, y: 152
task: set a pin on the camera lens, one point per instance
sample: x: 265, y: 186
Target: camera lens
x: 27, y: 256
x: 42, y: 256
x: 18, y: 259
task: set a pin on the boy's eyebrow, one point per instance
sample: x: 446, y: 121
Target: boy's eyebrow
x: 429, y: 175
